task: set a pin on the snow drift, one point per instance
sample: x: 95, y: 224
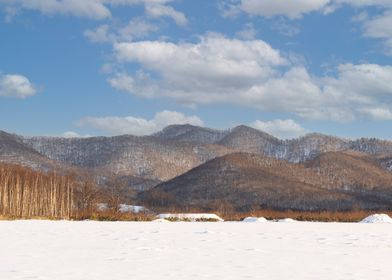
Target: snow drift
x: 190, y: 217
x: 125, y: 208
x: 287, y: 220
x: 377, y: 219
x: 255, y: 220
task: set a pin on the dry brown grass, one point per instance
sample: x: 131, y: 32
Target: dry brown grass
x: 113, y: 216
x: 94, y: 216
x: 322, y: 216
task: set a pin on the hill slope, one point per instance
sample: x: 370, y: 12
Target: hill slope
x: 13, y: 150
x: 248, y: 181
x: 146, y: 157
x: 351, y: 171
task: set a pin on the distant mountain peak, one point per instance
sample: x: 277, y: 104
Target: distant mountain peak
x: 246, y: 130
x: 191, y: 133
x: 183, y: 128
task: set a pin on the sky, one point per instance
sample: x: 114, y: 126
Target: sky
x: 78, y: 68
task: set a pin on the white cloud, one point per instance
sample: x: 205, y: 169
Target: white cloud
x: 378, y: 113
x: 135, y: 2
x: 284, y: 129
x: 155, y: 9
x: 248, y: 32
x: 16, y: 86
x: 101, y: 34
x: 293, y: 9
x: 93, y: 9
x: 364, y: 3
x: 159, y: 10
x: 289, y: 8
x: 136, y: 28
x: 379, y: 27
x: 250, y: 73
x: 140, y: 84
x: 139, y: 126
x: 199, y: 73
x: 73, y: 134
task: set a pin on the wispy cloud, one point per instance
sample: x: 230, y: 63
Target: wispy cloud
x: 139, y: 126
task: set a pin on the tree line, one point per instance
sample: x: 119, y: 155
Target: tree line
x: 65, y: 194
x: 28, y: 193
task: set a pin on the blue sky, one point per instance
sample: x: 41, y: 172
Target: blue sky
x: 109, y: 67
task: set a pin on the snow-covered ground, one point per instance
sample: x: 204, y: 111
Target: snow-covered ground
x: 191, y: 217
x: 118, y: 250
x: 377, y: 219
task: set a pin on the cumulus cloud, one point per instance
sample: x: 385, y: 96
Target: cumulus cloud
x: 101, y: 34
x: 293, y: 9
x: 249, y: 73
x: 288, y: 8
x: 159, y: 10
x: 93, y: 9
x: 338, y: 98
x: 377, y: 27
x: 139, y: 126
x: 135, y: 29
x: 284, y: 129
x: 155, y: 9
x: 198, y: 73
x: 17, y: 86
x: 140, y: 84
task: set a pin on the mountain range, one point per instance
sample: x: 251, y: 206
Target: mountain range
x: 241, y: 167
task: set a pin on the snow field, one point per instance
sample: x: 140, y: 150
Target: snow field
x: 232, y: 250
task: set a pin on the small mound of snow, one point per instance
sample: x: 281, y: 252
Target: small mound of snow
x: 161, y: 221
x: 125, y: 208
x: 286, y: 220
x: 122, y: 208
x: 377, y: 219
x: 255, y: 220
x: 191, y: 217
x: 102, y: 206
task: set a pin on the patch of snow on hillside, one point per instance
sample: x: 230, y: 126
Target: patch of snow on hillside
x: 377, y: 219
